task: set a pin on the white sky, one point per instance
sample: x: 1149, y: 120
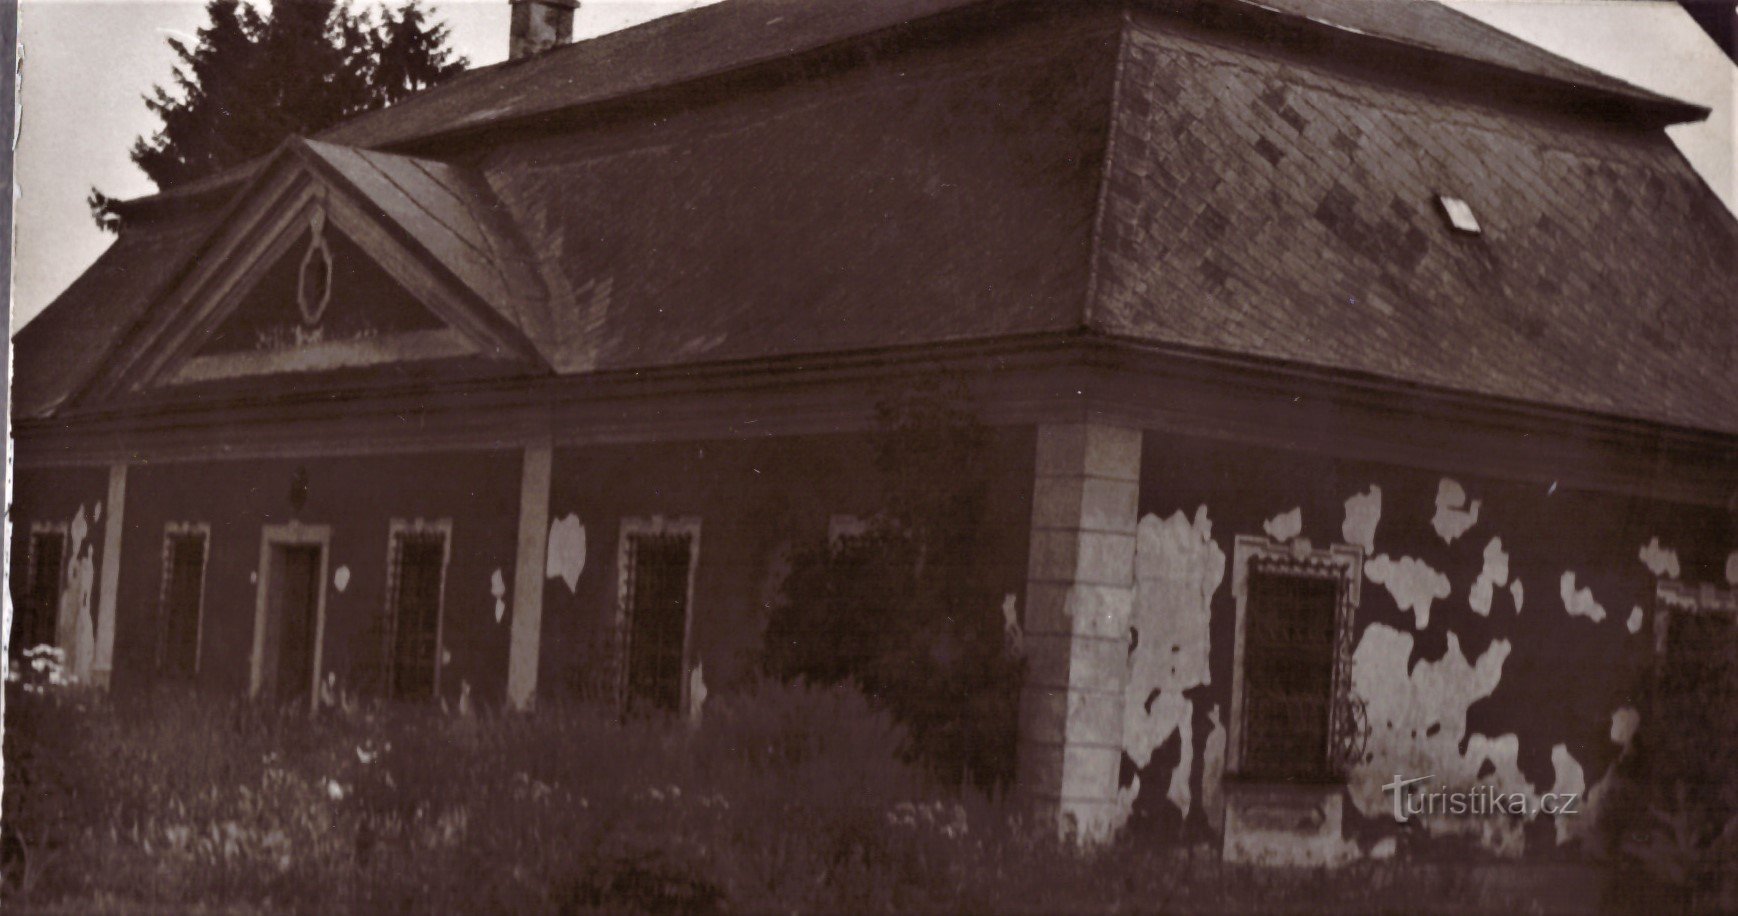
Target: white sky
x: 87, y: 63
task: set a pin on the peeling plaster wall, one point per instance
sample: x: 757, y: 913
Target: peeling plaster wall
x: 1418, y: 727
x: 1458, y: 682
x: 77, y: 632
x: 358, y: 498
x: 755, y: 499
x: 1178, y: 569
x: 72, y: 498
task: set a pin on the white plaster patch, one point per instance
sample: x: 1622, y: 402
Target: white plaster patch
x: 1624, y: 724
x: 78, y: 530
x: 1580, y: 603
x: 1417, y: 722
x: 1213, y: 771
x: 1494, y: 574
x: 1581, y: 825
x: 75, y: 627
x: 1634, y: 623
x: 341, y: 579
x: 498, y: 588
x: 1384, y: 849
x: 1363, y: 513
x: 566, y: 556
x: 1660, y: 560
x: 1518, y: 593
x: 253, y: 577
x: 1178, y: 568
x: 1732, y: 568
x: 1571, y: 780
x: 1411, y: 581
x: 696, y: 694
x: 843, y: 527
x: 1284, y: 526
x: 1012, y: 634
x: 446, y: 657
x: 1288, y: 831
x: 1453, y: 514
x: 1179, y: 790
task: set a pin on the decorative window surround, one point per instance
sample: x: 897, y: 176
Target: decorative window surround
x: 1672, y: 598
x: 632, y: 529
x: 1343, y: 563
x: 397, y: 530
x: 171, y: 532
x: 842, y: 528
x: 292, y: 534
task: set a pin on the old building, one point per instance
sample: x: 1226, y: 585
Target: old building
x: 1362, y: 382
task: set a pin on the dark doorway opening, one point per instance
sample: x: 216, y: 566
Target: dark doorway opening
x: 292, y: 621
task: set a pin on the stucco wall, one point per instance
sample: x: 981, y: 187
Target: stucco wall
x: 71, y: 499
x: 1501, y: 638
x: 755, y: 501
x: 359, y: 498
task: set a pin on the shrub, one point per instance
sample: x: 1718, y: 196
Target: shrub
x: 788, y: 798
x: 896, y: 611
x: 1675, y: 819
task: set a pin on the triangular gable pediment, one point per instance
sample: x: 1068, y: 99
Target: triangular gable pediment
x: 306, y: 277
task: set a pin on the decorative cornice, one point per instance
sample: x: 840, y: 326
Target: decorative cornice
x: 1056, y: 377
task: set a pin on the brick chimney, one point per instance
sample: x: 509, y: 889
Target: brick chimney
x: 539, y: 25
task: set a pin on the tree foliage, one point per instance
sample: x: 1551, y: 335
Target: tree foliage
x: 900, y: 609
x: 253, y: 78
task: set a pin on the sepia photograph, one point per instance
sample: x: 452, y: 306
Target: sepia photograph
x: 870, y: 456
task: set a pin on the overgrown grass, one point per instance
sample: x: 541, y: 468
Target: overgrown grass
x: 786, y: 799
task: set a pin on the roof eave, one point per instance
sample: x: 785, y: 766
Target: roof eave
x: 1634, y: 105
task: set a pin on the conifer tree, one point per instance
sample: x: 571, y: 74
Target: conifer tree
x: 257, y: 75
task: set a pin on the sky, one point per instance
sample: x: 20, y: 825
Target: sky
x: 86, y: 65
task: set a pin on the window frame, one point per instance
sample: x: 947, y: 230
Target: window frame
x: 1341, y: 562
x: 397, y: 529
x: 288, y: 535
x: 1672, y: 598
x: 171, y: 531
x: 652, y: 526
x: 38, y: 530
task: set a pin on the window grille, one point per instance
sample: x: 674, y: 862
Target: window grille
x: 416, y: 576
x: 1295, y: 719
x: 657, y: 575
x: 181, y: 601
x: 36, y: 609
x: 1289, y: 670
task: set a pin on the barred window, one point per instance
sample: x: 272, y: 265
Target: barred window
x: 36, y: 599
x: 1695, y: 640
x: 416, y: 577
x: 1289, y: 667
x: 657, y: 567
x: 1293, y: 717
x: 182, y: 599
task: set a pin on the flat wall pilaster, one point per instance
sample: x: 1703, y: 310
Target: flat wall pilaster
x: 109, y: 578
x: 530, y: 565
x: 1079, y: 595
